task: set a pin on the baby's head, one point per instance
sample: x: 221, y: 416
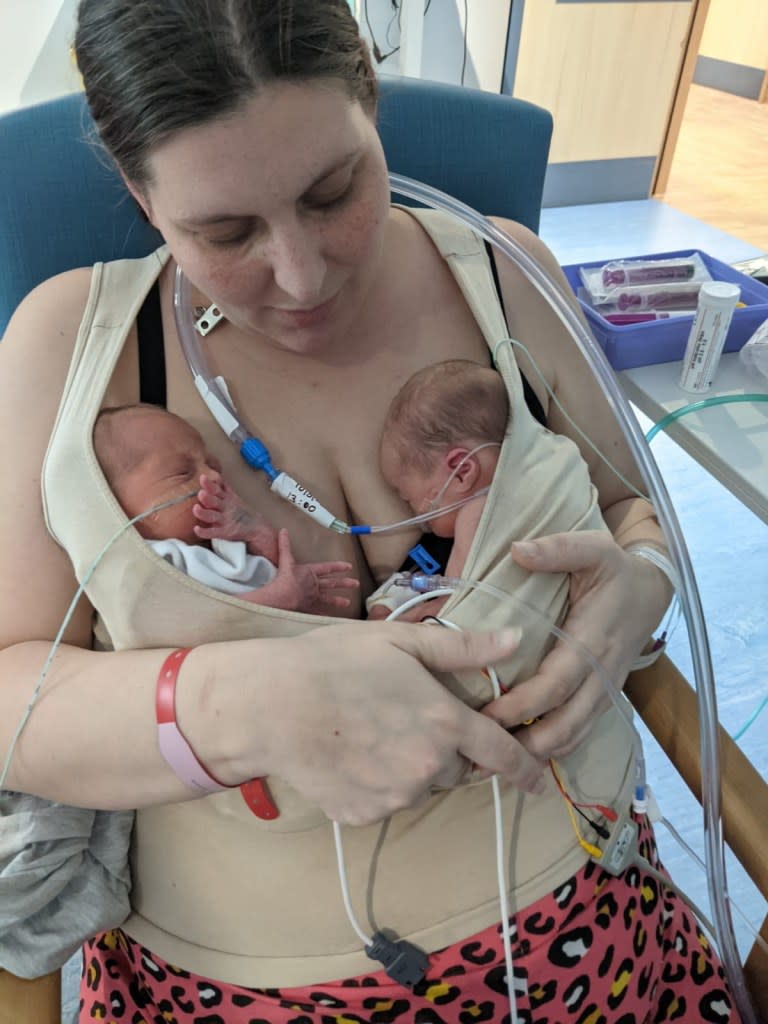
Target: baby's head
x: 434, y: 426
x: 149, y: 455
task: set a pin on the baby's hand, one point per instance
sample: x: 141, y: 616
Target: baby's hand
x: 307, y: 587
x: 222, y: 513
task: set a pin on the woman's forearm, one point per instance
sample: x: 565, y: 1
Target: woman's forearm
x: 633, y: 522
x: 351, y: 716
x: 91, y: 739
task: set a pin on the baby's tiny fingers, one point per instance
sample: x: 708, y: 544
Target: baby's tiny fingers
x: 331, y: 583
x: 206, y: 515
x: 209, y: 500
x: 211, y: 484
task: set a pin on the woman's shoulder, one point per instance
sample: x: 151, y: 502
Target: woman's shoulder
x: 527, y: 240
x: 56, y: 306
x: 37, y: 346
x: 49, y: 308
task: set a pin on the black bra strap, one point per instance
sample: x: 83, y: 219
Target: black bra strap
x: 149, y: 326
x: 531, y: 398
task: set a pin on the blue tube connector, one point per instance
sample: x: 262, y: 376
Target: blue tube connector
x: 256, y: 455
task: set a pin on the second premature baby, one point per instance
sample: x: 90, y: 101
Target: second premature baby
x: 440, y: 445
x: 149, y: 455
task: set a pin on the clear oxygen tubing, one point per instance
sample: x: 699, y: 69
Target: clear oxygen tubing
x: 705, y: 403
x: 66, y: 620
x: 214, y: 392
x: 690, y: 598
x: 691, y: 602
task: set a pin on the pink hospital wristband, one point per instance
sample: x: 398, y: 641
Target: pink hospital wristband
x: 173, y: 746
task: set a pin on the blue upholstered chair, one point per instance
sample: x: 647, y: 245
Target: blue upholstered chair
x: 62, y: 204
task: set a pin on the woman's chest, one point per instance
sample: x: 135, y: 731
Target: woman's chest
x: 321, y: 419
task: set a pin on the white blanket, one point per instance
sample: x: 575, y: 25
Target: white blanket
x: 226, y: 565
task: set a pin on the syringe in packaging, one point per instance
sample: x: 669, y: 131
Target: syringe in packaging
x: 645, y: 272
x: 668, y: 296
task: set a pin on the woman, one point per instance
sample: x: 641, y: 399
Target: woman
x: 246, y: 132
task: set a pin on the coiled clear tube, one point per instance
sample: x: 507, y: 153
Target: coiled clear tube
x: 689, y: 595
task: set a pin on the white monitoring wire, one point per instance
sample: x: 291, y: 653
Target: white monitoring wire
x: 585, y: 438
x: 655, y: 815
x: 66, y: 620
x: 498, y: 820
x: 619, y: 702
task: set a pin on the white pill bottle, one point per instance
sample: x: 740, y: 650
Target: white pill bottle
x: 717, y: 301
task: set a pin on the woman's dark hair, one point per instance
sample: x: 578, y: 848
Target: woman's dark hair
x: 154, y: 67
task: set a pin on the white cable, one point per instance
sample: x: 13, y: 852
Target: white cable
x: 365, y: 939
x: 695, y: 857
x: 497, y: 814
x: 498, y: 821
x: 657, y: 558
x: 643, y: 865
x: 419, y: 599
x: 65, y: 622
x: 500, y: 869
x: 587, y: 440
x: 337, y: 837
x: 500, y: 851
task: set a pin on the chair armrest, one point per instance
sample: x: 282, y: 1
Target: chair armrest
x: 667, y: 704
x: 30, y: 1002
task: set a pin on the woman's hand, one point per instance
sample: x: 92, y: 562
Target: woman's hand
x: 616, y: 601
x: 363, y: 729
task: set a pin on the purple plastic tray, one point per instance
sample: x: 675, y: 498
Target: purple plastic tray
x: 663, y: 341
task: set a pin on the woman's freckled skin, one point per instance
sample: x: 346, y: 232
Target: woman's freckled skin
x: 312, y: 218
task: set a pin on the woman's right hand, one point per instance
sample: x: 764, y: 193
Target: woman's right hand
x: 363, y: 729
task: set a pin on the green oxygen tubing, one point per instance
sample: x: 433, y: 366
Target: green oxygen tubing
x: 676, y: 414
x: 705, y: 403
x: 213, y: 391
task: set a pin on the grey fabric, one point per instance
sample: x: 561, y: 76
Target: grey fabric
x: 64, y: 876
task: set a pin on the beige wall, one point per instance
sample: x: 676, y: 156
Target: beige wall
x: 607, y: 72
x: 737, y: 31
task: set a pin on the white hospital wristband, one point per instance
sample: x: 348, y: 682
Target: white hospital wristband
x: 663, y: 563
x: 658, y: 559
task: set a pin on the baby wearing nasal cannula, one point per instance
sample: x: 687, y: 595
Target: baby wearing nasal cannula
x: 440, y: 444
x: 150, y: 456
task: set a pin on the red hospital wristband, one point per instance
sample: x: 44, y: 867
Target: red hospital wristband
x: 173, y: 746
x: 180, y: 756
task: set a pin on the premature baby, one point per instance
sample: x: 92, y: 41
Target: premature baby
x: 440, y: 445
x: 149, y: 456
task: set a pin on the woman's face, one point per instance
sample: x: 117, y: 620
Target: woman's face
x: 277, y: 212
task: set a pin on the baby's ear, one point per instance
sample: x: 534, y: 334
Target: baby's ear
x: 462, y: 463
